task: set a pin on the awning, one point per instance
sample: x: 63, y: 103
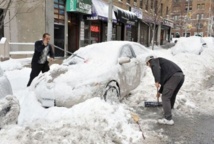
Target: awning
x: 168, y: 23
x: 125, y: 16
x: 83, y: 6
x: 100, y: 11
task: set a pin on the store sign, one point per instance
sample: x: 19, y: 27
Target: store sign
x: 95, y: 29
x: 83, y: 6
x: 168, y: 23
x: 138, y: 12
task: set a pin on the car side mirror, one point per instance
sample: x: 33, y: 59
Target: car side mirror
x: 124, y: 60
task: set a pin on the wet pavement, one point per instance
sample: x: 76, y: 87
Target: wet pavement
x: 194, y: 129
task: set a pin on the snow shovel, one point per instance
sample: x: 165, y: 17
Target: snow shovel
x: 153, y: 103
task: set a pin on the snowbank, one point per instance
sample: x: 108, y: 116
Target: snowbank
x: 14, y: 64
x: 93, y: 121
x: 9, y: 111
x: 209, y: 41
x: 5, y: 87
x: 189, y: 45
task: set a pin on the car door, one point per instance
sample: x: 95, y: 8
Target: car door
x: 129, y: 72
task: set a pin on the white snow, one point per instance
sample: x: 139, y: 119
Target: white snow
x: 9, y: 110
x: 192, y: 44
x: 209, y: 41
x: 101, y: 8
x: 72, y: 84
x: 95, y: 121
x: 5, y: 87
x: 14, y: 64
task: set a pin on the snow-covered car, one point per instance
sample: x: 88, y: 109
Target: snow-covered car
x: 5, y: 87
x: 106, y: 66
x: 194, y: 45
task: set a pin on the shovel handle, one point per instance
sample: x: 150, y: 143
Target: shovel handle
x: 157, y: 96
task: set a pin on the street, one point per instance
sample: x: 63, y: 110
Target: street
x: 111, y: 122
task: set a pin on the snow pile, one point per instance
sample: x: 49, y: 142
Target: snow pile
x: 189, y: 45
x: 18, y: 78
x: 93, y: 121
x: 174, y: 40
x: 5, y: 87
x: 209, y: 41
x: 9, y: 110
x: 14, y: 64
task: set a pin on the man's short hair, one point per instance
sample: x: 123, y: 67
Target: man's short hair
x: 45, y: 34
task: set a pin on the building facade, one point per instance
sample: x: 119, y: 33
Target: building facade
x: 193, y: 17
x: 77, y: 23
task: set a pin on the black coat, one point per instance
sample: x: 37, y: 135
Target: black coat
x: 39, y: 47
x: 162, y: 70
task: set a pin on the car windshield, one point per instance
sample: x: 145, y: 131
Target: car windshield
x: 107, y: 52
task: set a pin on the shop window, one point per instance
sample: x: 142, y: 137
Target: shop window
x: 59, y: 11
x: 95, y: 32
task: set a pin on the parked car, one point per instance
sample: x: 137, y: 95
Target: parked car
x: 193, y: 44
x: 5, y: 87
x: 92, y: 71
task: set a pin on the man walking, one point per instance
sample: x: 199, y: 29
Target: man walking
x: 39, y: 62
x: 168, y: 80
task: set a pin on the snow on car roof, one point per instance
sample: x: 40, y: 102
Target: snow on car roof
x: 188, y: 45
x: 106, y: 52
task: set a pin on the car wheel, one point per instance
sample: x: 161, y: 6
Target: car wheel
x: 112, y: 92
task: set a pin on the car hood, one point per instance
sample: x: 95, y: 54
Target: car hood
x: 76, y: 75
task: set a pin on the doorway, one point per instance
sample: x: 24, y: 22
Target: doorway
x: 120, y: 32
x: 59, y: 39
x: 73, y: 31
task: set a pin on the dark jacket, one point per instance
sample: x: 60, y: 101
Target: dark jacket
x: 162, y: 70
x: 39, y: 47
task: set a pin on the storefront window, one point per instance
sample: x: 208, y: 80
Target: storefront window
x: 85, y: 33
x: 95, y: 32
x: 128, y: 33
x: 59, y: 11
x: 91, y: 31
